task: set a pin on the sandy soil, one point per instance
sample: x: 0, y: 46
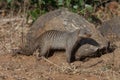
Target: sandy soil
x: 20, y: 67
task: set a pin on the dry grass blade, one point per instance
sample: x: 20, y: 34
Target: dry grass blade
x: 50, y: 62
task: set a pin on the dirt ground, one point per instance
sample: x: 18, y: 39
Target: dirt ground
x: 20, y: 67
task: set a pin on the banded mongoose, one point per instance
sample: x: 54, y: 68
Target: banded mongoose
x: 54, y: 39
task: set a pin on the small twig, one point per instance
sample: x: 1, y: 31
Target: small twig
x: 96, y: 63
x: 50, y: 62
x: 11, y: 19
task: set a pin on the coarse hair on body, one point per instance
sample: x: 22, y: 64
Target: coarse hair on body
x: 55, y: 39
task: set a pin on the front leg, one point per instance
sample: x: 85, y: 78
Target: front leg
x: 68, y: 54
x: 69, y: 49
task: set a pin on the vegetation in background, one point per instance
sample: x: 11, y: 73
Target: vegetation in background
x: 35, y: 8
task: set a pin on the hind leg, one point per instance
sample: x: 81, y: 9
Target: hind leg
x: 43, y: 52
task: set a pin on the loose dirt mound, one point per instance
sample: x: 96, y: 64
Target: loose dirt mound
x: 55, y: 68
